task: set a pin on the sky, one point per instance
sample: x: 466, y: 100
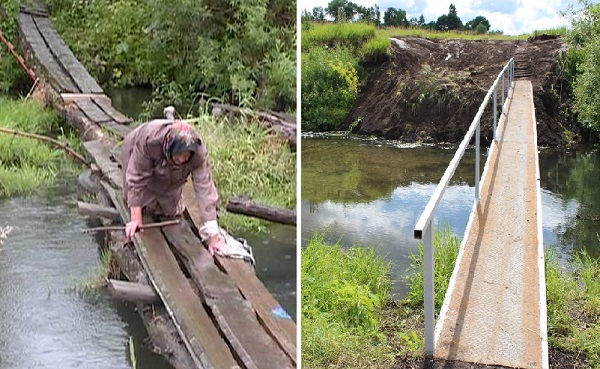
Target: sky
x: 513, y: 17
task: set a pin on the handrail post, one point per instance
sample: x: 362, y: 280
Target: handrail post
x: 495, y: 110
x: 428, y: 286
x: 503, y: 72
x: 477, y: 172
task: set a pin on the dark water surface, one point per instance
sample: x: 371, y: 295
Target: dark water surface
x: 371, y: 193
x: 46, y: 320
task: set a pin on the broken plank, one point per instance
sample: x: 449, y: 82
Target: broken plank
x: 201, y: 337
x: 234, y: 314
x: 272, y: 315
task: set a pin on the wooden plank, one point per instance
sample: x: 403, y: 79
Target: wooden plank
x: 107, y: 163
x: 61, y: 51
x: 56, y: 74
x: 116, y: 115
x: 271, y: 314
x: 41, y: 12
x: 92, y: 111
x: 193, y: 323
x: 235, y: 316
x: 78, y: 96
x: 116, y: 128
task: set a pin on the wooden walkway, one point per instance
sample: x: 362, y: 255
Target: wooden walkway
x: 222, y: 313
x: 495, y: 307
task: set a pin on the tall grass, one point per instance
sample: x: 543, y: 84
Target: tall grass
x: 331, y: 33
x: 343, y: 292
x: 28, y: 166
x: 573, y: 297
x: 248, y: 159
x: 446, y: 246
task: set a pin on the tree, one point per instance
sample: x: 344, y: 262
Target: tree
x: 395, y: 18
x: 450, y: 21
x: 318, y: 14
x: 583, y: 64
x: 342, y: 8
x: 478, y: 21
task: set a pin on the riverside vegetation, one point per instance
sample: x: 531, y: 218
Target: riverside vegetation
x: 246, y: 158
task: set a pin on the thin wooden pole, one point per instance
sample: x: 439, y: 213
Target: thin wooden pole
x: 47, y: 139
x: 120, y: 228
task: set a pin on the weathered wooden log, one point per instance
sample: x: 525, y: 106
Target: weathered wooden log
x: 97, y: 211
x: 136, y: 293
x: 284, y: 127
x: 247, y: 206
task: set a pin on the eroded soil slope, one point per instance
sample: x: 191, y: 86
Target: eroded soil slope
x: 430, y: 90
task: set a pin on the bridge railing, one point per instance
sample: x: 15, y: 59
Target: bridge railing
x: 424, y: 228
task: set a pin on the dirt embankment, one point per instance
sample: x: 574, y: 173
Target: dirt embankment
x: 430, y: 90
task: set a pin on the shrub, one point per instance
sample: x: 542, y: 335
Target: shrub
x: 330, y: 79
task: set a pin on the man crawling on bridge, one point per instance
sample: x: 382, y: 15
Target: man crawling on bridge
x: 158, y: 156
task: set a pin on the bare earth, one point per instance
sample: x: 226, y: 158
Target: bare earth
x: 430, y: 90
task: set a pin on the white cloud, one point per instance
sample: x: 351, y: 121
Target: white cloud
x: 513, y: 17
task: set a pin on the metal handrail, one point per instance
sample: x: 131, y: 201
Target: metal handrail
x: 424, y: 229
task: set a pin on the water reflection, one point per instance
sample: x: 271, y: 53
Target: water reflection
x: 372, y: 194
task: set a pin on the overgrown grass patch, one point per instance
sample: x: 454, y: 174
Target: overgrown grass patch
x: 27, y: 166
x: 573, y: 296
x: 343, y: 293
x: 336, y: 33
x: 248, y: 159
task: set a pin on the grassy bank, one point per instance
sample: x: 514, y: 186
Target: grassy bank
x: 28, y: 166
x: 334, y: 296
x: 247, y: 159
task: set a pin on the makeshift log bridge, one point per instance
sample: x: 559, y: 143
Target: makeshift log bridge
x: 200, y: 311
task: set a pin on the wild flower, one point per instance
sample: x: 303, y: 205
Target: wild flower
x: 4, y: 232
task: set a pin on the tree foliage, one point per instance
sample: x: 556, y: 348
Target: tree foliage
x: 583, y: 64
x: 450, y: 21
x: 395, y: 18
x: 478, y: 23
x: 240, y: 51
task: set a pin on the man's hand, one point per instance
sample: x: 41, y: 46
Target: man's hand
x: 215, y: 243
x: 135, y: 223
x: 131, y: 228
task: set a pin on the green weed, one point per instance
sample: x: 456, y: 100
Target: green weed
x: 247, y: 159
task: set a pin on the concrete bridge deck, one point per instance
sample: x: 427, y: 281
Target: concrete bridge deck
x: 495, y: 308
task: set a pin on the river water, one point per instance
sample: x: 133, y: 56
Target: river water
x: 48, y: 320
x: 371, y: 193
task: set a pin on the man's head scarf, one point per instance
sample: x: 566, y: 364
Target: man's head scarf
x: 180, y: 138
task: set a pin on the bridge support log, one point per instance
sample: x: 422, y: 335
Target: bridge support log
x: 137, y: 293
x: 97, y: 211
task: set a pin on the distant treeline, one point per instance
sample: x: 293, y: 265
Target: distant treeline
x: 343, y: 10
